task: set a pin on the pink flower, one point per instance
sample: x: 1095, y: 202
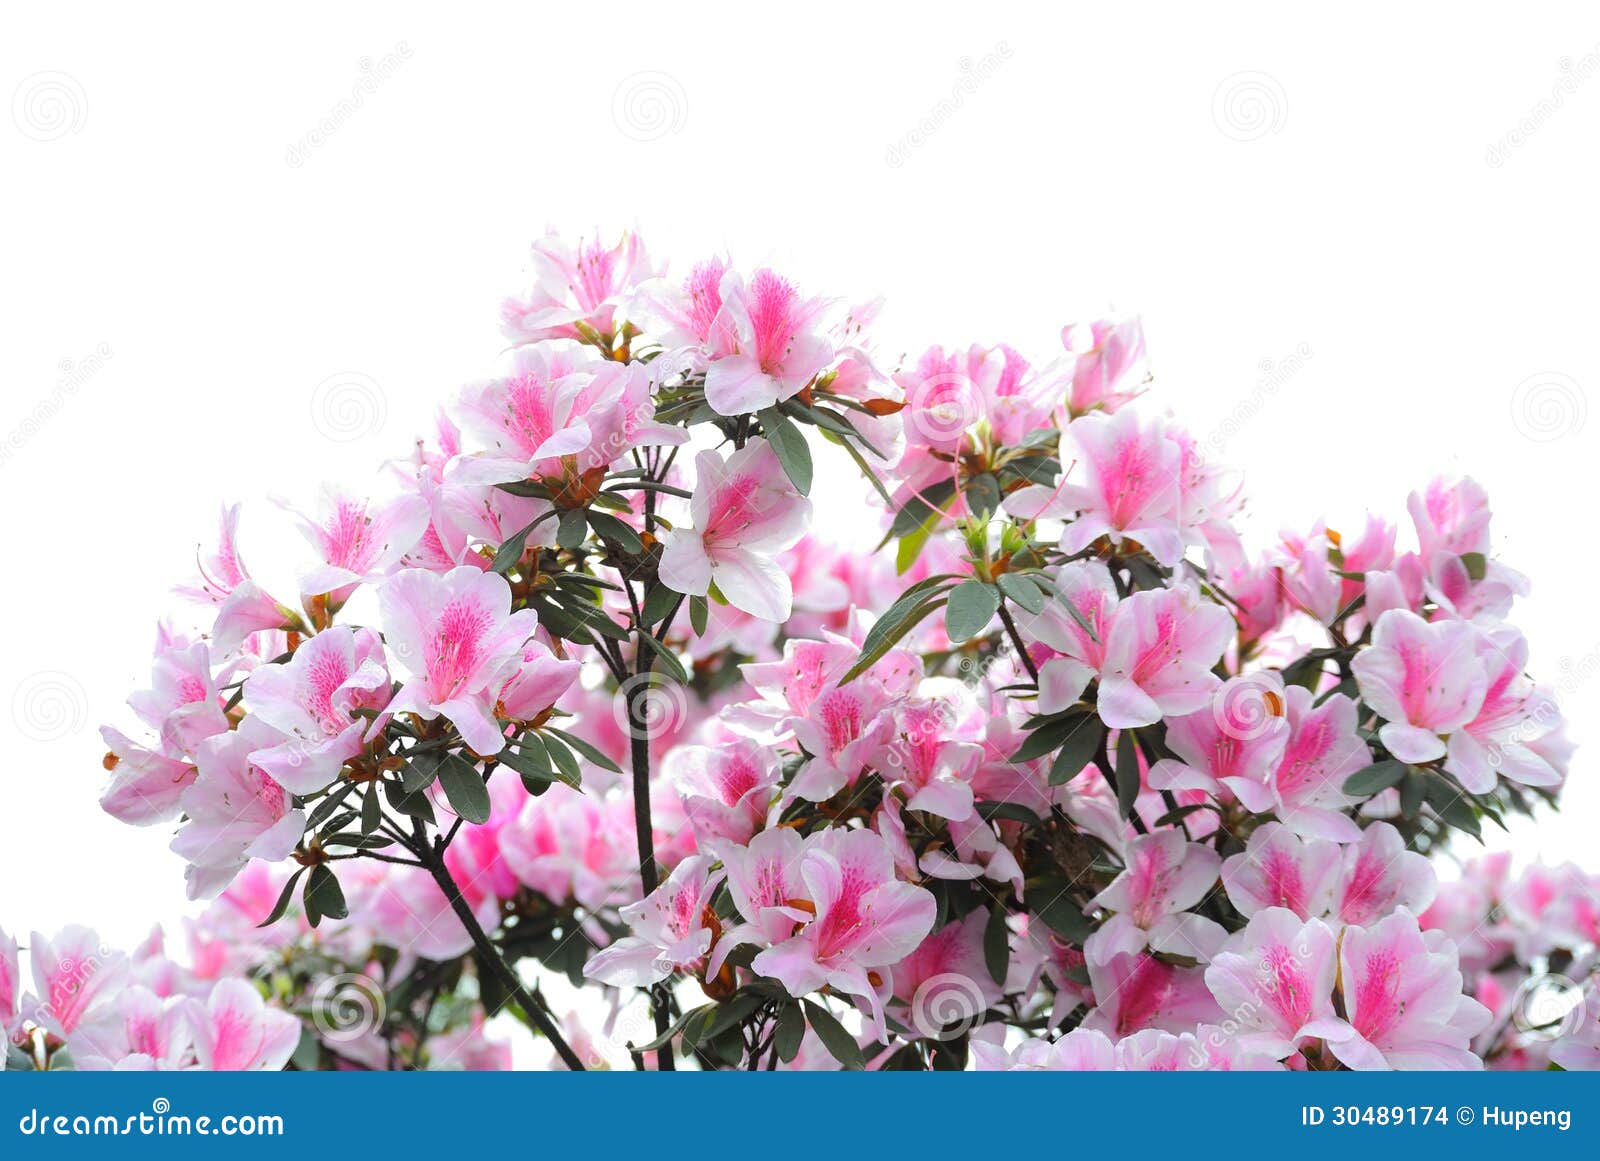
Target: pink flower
x: 726, y: 788
x: 1306, y: 791
x: 1132, y: 486
x: 1107, y: 354
x: 1164, y: 876
x: 584, y: 285
x: 247, y: 610
x: 1235, y: 742
x: 929, y: 754
x: 1134, y: 991
x: 184, y: 704
x: 671, y: 930
x: 555, y: 418
x: 1427, y: 680
x: 145, y: 785
x: 10, y: 983
x: 234, y: 1031
x: 568, y: 847
x: 1379, y: 874
x: 313, y: 700
x: 1081, y: 1050
x: 141, y: 1030
x: 235, y: 811
x: 77, y: 979
x: 745, y: 511
x: 221, y: 570
x: 774, y: 346
x: 1209, y: 1048
x: 1280, y: 869
x: 537, y: 683
x: 1514, y: 714
x: 945, y: 982
x: 1403, y: 999
x: 1159, y: 654
x: 1074, y: 626
x: 358, y: 541
x: 456, y: 639
x: 1275, y: 981
x: 861, y: 920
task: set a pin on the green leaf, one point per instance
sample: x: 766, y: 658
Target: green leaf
x: 572, y: 529
x: 413, y: 803
x: 699, y: 614
x: 790, y: 1033
x: 1411, y: 788
x: 912, y: 543
x: 464, y: 787
x: 566, y: 766
x: 668, y: 662
x: 929, y: 504
x: 1078, y: 749
x: 983, y: 494
x: 972, y: 605
x: 793, y: 452
x: 371, y: 811
x: 673, y: 1029
x: 1476, y: 564
x: 584, y: 748
x: 1020, y: 590
x: 996, y: 945
x: 614, y: 530
x: 323, y: 897
x: 895, y: 624
x: 1377, y: 777
x: 658, y: 602
x: 1006, y: 812
x: 511, y: 551
x: 839, y: 1043
x: 1452, y: 804
x: 1051, y: 902
x: 282, y: 904
x: 532, y: 762
x: 1127, y: 770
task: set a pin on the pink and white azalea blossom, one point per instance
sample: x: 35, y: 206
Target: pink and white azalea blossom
x: 673, y: 929
x: 1275, y: 981
x: 1080, y: 1050
x: 1131, y: 486
x: 1514, y: 714
x: 76, y: 978
x: 774, y: 343
x: 1164, y: 876
x: 1075, y: 626
x: 727, y: 789
x: 576, y: 287
x: 235, y: 811
x: 945, y: 983
x: 536, y: 684
x: 1306, y: 791
x: 1426, y: 680
x: 862, y: 919
x: 744, y: 512
x: 314, y: 699
x: 1278, y: 868
x: 1380, y: 875
x: 145, y: 785
x: 234, y: 1031
x: 1133, y: 991
x: 1403, y: 999
x: 1235, y: 742
x: 926, y: 754
x: 358, y: 541
x: 142, y: 1030
x: 457, y: 641
x: 1159, y: 655
x: 1107, y: 357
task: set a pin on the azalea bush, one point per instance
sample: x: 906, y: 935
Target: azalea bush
x: 587, y: 725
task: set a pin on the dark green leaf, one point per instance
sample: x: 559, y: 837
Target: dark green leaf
x: 282, y: 904
x: 793, y: 453
x: 1377, y: 777
x: 464, y: 787
x: 972, y: 605
x: 1022, y: 591
x: 614, y: 530
x: 922, y: 507
x: 1077, y: 750
x: 1127, y: 769
x: 839, y: 1043
x: 323, y: 897
x: 790, y: 1033
x: 699, y: 614
x: 983, y: 494
x: 1051, y: 901
x: 572, y: 529
x: 585, y: 749
x: 996, y: 945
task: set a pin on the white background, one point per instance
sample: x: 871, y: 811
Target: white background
x: 1353, y: 197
